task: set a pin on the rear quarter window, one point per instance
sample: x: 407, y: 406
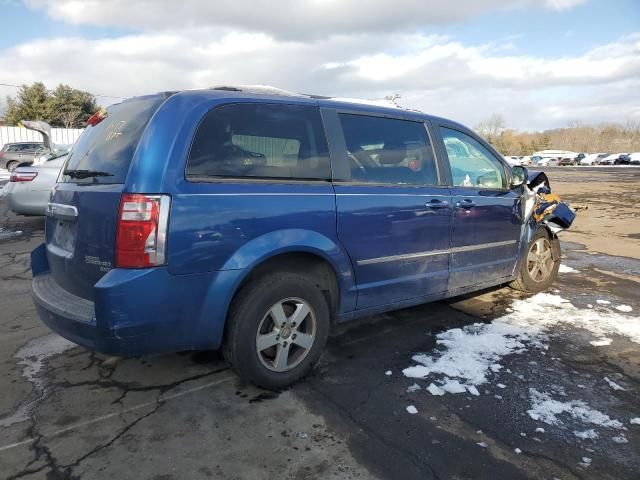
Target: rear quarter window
x: 272, y: 141
x: 108, y: 146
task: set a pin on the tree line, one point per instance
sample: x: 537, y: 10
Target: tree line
x: 63, y: 106
x: 68, y: 107
x: 576, y: 137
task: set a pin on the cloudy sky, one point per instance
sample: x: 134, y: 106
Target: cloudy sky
x: 539, y: 63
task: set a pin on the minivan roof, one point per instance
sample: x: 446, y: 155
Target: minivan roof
x: 266, y: 93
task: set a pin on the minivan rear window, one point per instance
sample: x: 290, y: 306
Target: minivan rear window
x: 271, y: 141
x: 108, y: 146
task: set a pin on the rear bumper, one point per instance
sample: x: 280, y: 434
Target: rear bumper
x: 27, y: 202
x: 137, y: 311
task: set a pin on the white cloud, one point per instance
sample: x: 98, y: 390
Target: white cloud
x: 434, y: 73
x: 283, y: 18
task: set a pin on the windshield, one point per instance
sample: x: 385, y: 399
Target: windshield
x: 109, y: 145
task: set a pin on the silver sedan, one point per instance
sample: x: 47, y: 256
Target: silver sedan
x: 28, y: 189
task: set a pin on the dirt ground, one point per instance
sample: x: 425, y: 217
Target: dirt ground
x: 559, y: 401
x: 609, y: 218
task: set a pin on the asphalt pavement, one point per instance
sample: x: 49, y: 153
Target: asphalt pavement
x: 559, y: 397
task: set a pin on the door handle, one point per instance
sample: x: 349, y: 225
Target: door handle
x: 436, y: 204
x: 466, y: 203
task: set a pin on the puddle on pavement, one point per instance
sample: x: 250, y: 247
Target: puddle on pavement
x: 32, y: 358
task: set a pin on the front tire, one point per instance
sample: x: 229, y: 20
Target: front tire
x: 277, y: 328
x: 539, y: 269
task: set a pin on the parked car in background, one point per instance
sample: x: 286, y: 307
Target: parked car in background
x: 593, y: 158
x: 567, y: 161
x: 512, y: 160
x: 13, y: 154
x: 525, y: 160
x: 58, y: 150
x: 623, y: 159
x: 29, y: 187
x: 610, y: 159
x: 546, y: 161
x: 634, y: 158
x: 229, y: 218
x: 556, y: 154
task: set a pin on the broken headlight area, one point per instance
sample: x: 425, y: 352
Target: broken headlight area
x: 542, y: 206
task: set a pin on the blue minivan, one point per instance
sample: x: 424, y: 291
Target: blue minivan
x: 251, y: 221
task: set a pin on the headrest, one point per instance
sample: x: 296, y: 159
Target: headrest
x: 392, y: 155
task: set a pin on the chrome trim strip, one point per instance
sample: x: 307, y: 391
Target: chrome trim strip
x: 390, y: 195
x: 253, y: 194
x: 62, y: 211
x: 413, y: 256
x: 406, y: 256
x: 470, y: 248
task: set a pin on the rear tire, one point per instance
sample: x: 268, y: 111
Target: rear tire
x: 539, y: 269
x: 11, y: 166
x: 276, y: 330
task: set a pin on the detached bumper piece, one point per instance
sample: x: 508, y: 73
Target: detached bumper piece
x: 546, y: 207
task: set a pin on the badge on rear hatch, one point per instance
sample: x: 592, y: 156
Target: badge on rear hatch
x: 104, y: 266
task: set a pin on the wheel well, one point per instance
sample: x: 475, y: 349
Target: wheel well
x: 307, y: 264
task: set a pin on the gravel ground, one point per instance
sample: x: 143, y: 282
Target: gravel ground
x: 557, y: 397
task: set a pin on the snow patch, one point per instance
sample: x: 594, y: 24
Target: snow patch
x: 435, y: 390
x: 635, y: 421
x: 548, y: 410
x: 412, y: 410
x: 566, y: 269
x: 613, y: 384
x: 590, y: 434
x: 517, y: 450
x: 586, y: 461
x: 413, y: 388
x: 624, y: 308
x: 388, y: 373
x: 620, y: 439
x: 603, y: 302
x: 470, y: 356
x: 473, y: 390
x: 482, y: 444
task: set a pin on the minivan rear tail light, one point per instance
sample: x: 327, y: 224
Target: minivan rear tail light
x: 22, y: 176
x: 141, y: 238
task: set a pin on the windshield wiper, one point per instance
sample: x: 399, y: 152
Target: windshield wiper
x: 86, y: 173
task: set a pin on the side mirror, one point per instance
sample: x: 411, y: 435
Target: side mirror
x: 519, y: 176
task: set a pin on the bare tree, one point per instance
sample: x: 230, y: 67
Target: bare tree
x: 71, y: 118
x: 491, y: 127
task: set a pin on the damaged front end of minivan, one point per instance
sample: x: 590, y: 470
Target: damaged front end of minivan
x: 542, y: 207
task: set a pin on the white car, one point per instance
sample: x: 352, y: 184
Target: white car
x: 593, y: 158
x: 634, y: 158
x: 28, y: 189
x: 610, y: 159
x: 525, y: 160
x: 547, y: 162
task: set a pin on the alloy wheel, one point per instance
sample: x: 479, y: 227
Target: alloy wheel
x: 540, y: 260
x: 286, y: 334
